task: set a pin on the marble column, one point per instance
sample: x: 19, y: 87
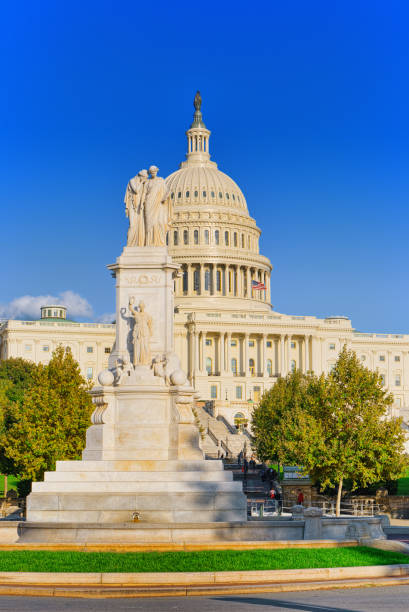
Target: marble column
x: 289, y: 353
x: 246, y: 355
x: 190, y: 289
x: 283, y: 371
x: 263, y: 355
x: 228, y: 359
x: 202, y: 273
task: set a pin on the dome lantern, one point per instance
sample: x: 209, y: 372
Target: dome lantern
x: 197, y: 137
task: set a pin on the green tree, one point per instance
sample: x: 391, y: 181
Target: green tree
x: 337, y: 426
x: 52, y: 420
x: 16, y: 378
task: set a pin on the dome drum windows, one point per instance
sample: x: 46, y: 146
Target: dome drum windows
x: 185, y: 237
x: 206, y: 236
x: 217, y: 237
x: 196, y: 236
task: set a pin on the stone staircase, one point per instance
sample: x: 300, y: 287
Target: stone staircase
x: 219, y: 437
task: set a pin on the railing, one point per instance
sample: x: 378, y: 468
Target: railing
x: 273, y: 507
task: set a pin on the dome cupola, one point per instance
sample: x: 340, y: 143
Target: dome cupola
x: 212, y: 234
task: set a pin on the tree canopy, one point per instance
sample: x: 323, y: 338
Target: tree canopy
x: 336, y: 426
x: 51, y: 421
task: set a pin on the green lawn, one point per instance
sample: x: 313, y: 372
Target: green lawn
x: 202, y: 561
x: 403, y: 484
x: 11, y: 483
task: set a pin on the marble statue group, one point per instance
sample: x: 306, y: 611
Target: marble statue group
x: 147, y: 206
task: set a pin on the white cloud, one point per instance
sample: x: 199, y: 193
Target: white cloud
x: 106, y: 318
x: 28, y: 306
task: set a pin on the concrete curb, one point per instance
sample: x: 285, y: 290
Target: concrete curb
x: 105, y: 592
x: 189, y: 579
x: 169, y: 547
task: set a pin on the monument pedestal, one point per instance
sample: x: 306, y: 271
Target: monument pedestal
x: 142, y: 458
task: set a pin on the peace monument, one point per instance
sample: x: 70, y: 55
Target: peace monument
x: 142, y: 461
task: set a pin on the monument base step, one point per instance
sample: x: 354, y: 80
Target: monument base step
x: 151, y: 533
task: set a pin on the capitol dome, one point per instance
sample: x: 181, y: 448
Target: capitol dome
x: 212, y: 234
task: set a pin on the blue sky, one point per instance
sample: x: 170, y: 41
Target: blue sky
x: 308, y: 107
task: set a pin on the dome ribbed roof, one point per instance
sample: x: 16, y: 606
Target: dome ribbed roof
x: 205, y: 185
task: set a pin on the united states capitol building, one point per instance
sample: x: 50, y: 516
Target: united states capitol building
x: 231, y: 342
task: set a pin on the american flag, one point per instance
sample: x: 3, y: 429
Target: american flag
x: 257, y: 285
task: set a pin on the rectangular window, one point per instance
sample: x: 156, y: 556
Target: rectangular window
x: 208, y: 342
x: 251, y: 342
x: 397, y: 380
x: 363, y: 357
x: 185, y: 237
x: 27, y: 347
x: 381, y: 357
x: 239, y: 392
x: 196, y: 236
x: 89, y: 373
x: 206, y: 236
x: 175, y: 238
x: 397, y: 357
x: 383, y: 379
x: 332, y: 347
x: 213, y: 392
x: 269, y: 344
x: 235, y: 239
x: 398, y: 402
x: 233, y: 343
x: 107, y: 349
x: 46, y: 348
x: 90, y: 349
x: 293, y: 345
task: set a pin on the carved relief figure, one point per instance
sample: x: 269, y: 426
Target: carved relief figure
x: 134, y: 208
x: 142, y: 333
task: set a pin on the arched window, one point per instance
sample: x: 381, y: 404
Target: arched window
x: 187, y: 194
x: 242, y: 241
x: 185, y: 281
x: 235, y: 239
x: 196, y: 194
x: 218, y: 280
x: 196, y: 236
x: 293, y: 365
x: 226, y: 238
x: 269, y: 367
x: 207, y: 280
x: 206, y: 236
x: 212, y: 194
x: 175, y: 238
x: 209, y: 365
x: 251, y: 367
x: 167, y: 238
x: 185, y: 237
x: 217, y: 236
x: 196, y: 280
x: 234, y: 365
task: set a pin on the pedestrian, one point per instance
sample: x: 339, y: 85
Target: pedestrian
x: 272, y: 496
x: 239, y: 457
x: 300, y: 497
x: 279, y: 498
x: 245, y: 465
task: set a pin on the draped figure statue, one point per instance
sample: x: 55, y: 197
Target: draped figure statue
x: 148, y: 207
x: 134, y: 208
x: 157, y: 210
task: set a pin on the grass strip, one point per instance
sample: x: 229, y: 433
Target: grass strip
x: 201, y: 561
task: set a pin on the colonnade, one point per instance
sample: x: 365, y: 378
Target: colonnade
x: 262, y: 361
x: 232, y: 280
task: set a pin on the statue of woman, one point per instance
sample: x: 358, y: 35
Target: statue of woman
x: 142, y: 332
x: 157, y: 210
x: 134, y: 208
